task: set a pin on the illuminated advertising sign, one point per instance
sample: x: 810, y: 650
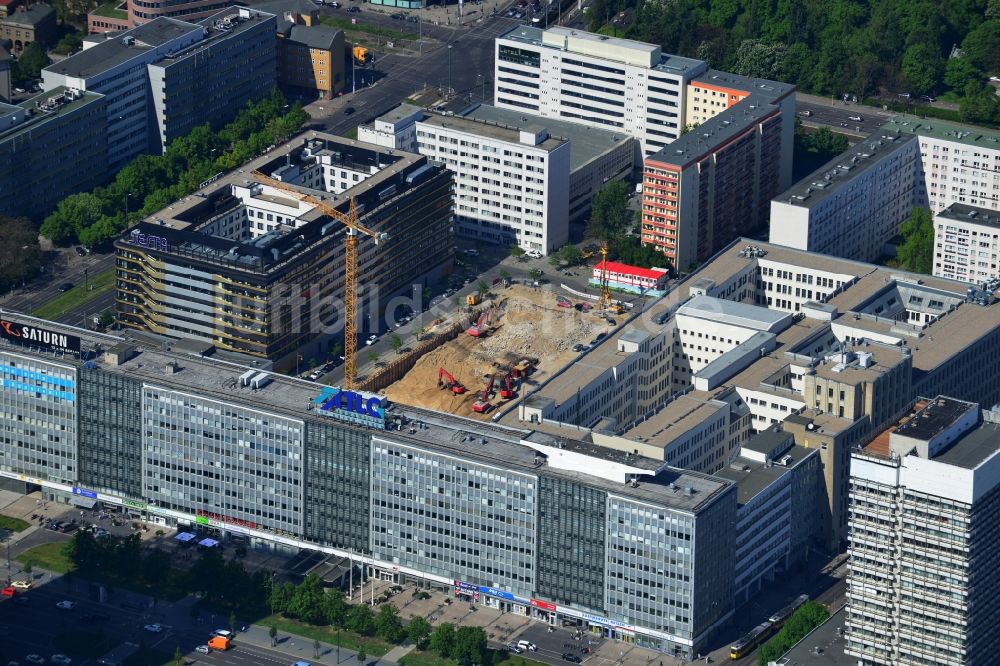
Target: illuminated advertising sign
x: 32, y: 336
x: 148, y: 240
x: 466, y: 586
x: 493, y: 592
x: 544, y: 605
x: 355, y: 407
x: 85, y: 493
x: 228, y: 520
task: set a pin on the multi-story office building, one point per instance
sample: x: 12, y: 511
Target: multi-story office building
x: 965, y: 243
x: 601, y: 81
x: 5, y: 65
x: 166, y: 77
x: 311, y: 56
x: 146, y: 11
x: 854, y: 204
x: 925, y: 539
x: 26, y: 25
x: 543, y: 526
x: 716, y: 182
x: 519, y: 178
x: 44, y: 155
x: 831, y: 347
x: 251, y: 269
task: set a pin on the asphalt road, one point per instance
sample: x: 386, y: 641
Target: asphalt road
x: 838, y: 117
x: 46, y: 286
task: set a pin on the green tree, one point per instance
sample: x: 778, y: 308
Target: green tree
x: 178, y: 657
x: 442, y: 639
x: 982, y: 46
x: 69, y: 42
x: 505, y: 275
x: 232, y: 621
x: 418, y: 631
x: 916, y: 253
x: 30, y: 63
x: 281, y: 596
x: 73, y: 214
x: 316, y: 647
x: 20, y: 256
x: 609, y: 211
x: 571, y: 254
x: 335, y: 608
x: 306, y: 603
x: 923, y: 67
x: 482, y: 288
x: 754, y: 57
x: 273, y: 634
x: 535, y: 274
x: 388, y: 626
x: 361, y: 620
x: 362, y: 656
x: 959, y: 72
x: 516, y: 251
x: 396, y: 343
x: 372, y: 356
x: 470, y: 646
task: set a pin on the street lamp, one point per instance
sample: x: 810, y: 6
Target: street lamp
x: 127, y: 195
x: 449, y: 69
x: 480, y: 76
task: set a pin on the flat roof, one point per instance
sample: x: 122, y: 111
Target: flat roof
x: 31, y: 16
x: 883, y: 359
x: 676, y: 418
x: 754, y: 317
x: 766, y: 441
x: 970, y: 135
x: 752, y: 477
x: 840, y: 171
x: 829, y: 639
x: 970, y: 215
x: 399, y: 112
x: 938, y: 415
x: 489, y: 130
x: 766, y: 88
x: 586, y: 143
x: 974, y: 448
x: 114, y: 51
x: 41, y: 116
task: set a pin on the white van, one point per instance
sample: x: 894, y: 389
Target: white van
x: 527, y: 645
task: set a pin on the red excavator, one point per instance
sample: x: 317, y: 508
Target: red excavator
x: 481, y: 327
x: 447, y: 380
x: 507, y: 390
x: 483, y: 404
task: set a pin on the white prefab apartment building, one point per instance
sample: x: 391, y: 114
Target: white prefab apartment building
x: 594, y: 79
x: 965, y: 243
x: 511, y: 185
x: 924, y: 533
x: 855, y: 203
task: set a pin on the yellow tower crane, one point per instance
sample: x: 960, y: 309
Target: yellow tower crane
x: 350, y: 220
x: 607, y: 304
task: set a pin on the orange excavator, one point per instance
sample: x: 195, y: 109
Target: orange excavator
x: 507, y: 389
x: 447, y: 380
x: 481, y: 327
x: 483, y: 404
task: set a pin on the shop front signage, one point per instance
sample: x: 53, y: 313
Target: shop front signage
x: 544, y: 605
x: 207, y: 517
x: 134, y: 504
x: 596, y: 619
x: 493, y: 592
x: 85, y: 493
x: 32, y: 336
x: 468, y: 587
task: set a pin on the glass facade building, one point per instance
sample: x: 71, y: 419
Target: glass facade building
x: 110, y: 433
x: 221, y: 461
x: 337, y: 475
x: 453, y: 517
x: 38, y: 417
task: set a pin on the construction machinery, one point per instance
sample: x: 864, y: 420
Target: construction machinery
x: 482, y: 326
x: 354, y: 228
x: 507, y: 388
x: 482, y: 403
x: 447, y: 380
x: 606, y: 303
x: 473, y: 298
x: 523, y: 368
x: 360, y: 54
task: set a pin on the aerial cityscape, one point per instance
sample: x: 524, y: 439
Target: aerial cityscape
x: 480, y: 332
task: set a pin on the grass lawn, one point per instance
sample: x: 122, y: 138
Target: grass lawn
x: 149, y: 657
x: 385, y: 33
x: 84, y: 644
x: 50, y: 556
x: 78, y: 295
x: 348, y: 640
x: 351, y: 133
x: 110, y: 10
x: 12, y: 524
x: 422, y: 658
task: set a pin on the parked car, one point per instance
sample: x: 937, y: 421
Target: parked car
x: 349, y: 110
x: 527, y: 645
x: 65, y: 286
x: 35, y: 659
x: 413, y: 19
x: 80, y: 251
x: 66, y: 605
x: 21, y: 584
x: 515, y: 649
x: 856, y: 119
x: 534, y: 254
x: 570, y: 657
x: 578, y: 347
x: 371, y: 340
x: 153, y: 628
x: 805, y: 113
x: 928, y: 98
x: 354, y: 10
x: 203, y: 649
x: 60, y: 659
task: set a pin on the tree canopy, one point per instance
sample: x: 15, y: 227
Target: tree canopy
x: 916, y: 253
x: 609, y: 212
x: 809, y: 616
x: 860, y: 47
x: 20, y: 256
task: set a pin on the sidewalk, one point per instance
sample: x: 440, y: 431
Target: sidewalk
x: 303, y: 648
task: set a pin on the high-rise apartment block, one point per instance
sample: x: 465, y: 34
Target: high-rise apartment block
x: 584, y: 77
x: 965, y: 243
x: 925, y: 539
x: 251, y: 269
x: 44, y: 154
x: 853, y: 205
x: 164, y: 78
x: 520, y: 179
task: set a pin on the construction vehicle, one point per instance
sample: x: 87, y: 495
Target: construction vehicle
x: 473, y: 298
x: 607, y: 304
x: 523, y: 368
x: 482, y: 326
x: 563, y: 302
x: 354, y: 228
x: 360, y: 54
x: 447, y: 380
x: 507, y: 389
x: 222, y: 643
x: 482, y: 403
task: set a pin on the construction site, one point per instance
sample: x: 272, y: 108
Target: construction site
x: 506, y: 344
